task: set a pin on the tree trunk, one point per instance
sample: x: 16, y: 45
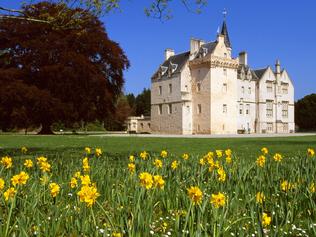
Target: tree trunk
x: 46, y: 129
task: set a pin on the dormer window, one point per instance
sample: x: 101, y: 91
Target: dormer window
x: 205, y: 51
x: 162, y: 70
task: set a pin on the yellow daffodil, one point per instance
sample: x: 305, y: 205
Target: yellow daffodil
x: 286, y: 186
x: 87, y: 150
x: 158, y: 181
x: 144, y: 155
x: 266, y: 220
x: 77, y: 175
x: 310, y: 152
x: 131, y: 158
x: 164, y: 154
x: 158, y: 163
x: 131, y: 167
x: 28, y: 163
x: 73, y: 182
x: 228, y: 152
x: 54, y: 189
x: 88, y: 194
x: 20, y: 179
x: 219, y: 153
x: 85, y: 180
x: 202, y: 161
x: 261, y: 161
x: 116, y: 234
x: 218, y: 200
x: 221, y: 174
x: 1, y: 184
x: 85, y: 164
x: 174, y: 165
x: 23, y: 149
x: 228, y: 159
x: 185, y: 156
x: 9, y: 194
x: 195, y: 194
x: 146, y: 180
x: 264, y: 150
x: 260, y: 198
x: 6, y: 161
x: 277, y: 157
x: 98, y: 152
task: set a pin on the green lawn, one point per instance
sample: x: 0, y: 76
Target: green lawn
x: 131, y: 203
x: 127, y: 145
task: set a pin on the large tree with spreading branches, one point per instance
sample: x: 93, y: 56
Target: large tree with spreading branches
x: 160, y: 9
x: 68, y: 71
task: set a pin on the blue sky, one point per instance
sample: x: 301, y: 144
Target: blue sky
x: 267, y: 30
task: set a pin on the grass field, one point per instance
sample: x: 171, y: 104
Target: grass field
x: 56, y: 187
x: 127, y: 145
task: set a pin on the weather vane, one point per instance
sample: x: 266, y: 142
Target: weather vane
x: 224, y: 13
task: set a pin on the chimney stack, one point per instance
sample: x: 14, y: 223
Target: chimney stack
x: 243, y: 58
x: 169, y: 53
x: 195, y: 45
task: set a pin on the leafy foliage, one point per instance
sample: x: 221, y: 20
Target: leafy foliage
x: 305, y: 112
x: 51, y: 73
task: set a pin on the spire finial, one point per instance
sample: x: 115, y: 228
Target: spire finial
x: 224, y: 14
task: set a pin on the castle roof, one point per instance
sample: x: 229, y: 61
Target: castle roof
x: 260, y: 72
x: 175, y: 62
x: 224, y: 32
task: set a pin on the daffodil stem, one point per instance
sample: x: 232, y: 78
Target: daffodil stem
x: 9, y: 217
x: 187, y: 217
x: 93, y: 217
x: 105, y: 214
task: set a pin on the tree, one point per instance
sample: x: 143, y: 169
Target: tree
x: 143, y: 103
x: 159, y: 9
x: 117, y: 120
x: 56, y: 73
x: 305, y: 112
x: 131, y: 99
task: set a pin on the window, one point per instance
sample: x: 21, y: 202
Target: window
x: 225, y: 71
x: 224, y: 108
x: 199, y: 109
x: 160, y: 90
x: 285, y: 127
x: 269, y: 105
x: 224, y: 87
x: 242, y: 89
x: 186, y: 87
x: 285, y: 107
x: 159, y: 109
x: 247, y: 108
x: 169, y: 108
x: 141, y: 125
x: 198, y: 87
x: 134, y: 124
x: 269, y: 86
x: 225, y: 55
x: 270, y: 127
x: 188, y: 109
x: 149, y: 125
x: 241, y: 108
x: 170, y: 88
x: 285, y: 88
x: 249, y: 90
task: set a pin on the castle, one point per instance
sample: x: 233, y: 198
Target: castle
x: 207, y: 91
